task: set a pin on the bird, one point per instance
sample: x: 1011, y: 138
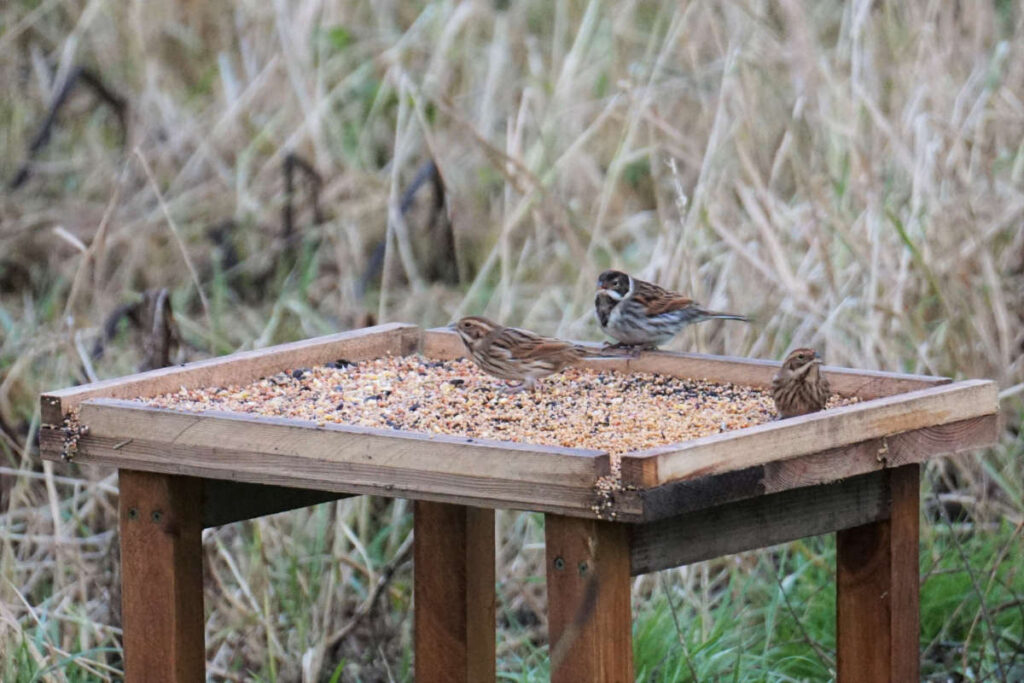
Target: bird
x: 799, y: 387
x: 514, y: 354
x: 642, y: 314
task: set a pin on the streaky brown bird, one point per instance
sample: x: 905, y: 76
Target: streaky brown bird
x: 799, y: 387
x: 642, y: 314
x: 514, y: 354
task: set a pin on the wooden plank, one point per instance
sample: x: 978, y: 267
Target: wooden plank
x: 443, y: 344
x: 554, y: 490
x: 440, y: 343
x: 238, y: 368
x: 161, y: 578
x: 758, y: 522
x: 341, y: 443
x: 877, y: 583
x: 755, y: 372
x: 589, y: 616
x: 227, y: 501
x: 307, y: 473
x: 339, y: 458
x: 914, y: 446
x: 786, y: 439
x: 454, y: 592
x: 817, y: 468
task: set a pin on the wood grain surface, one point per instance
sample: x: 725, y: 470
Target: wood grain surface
x: 239, y: 368
x: 161, y: 578
x: 814, y: 433
x: 877, y: 585
x: 454, y: 586
x: 758, y: 522
x: 589, y: 615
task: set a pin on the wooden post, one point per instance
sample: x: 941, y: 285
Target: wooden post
x: 162, y: 577
x: 453, y: 576
x: 877, y: 584
x: 589, y: 616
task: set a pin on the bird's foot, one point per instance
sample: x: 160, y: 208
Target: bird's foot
x: 634, y: 348
x: 620, y: 345
x: 516, y: 388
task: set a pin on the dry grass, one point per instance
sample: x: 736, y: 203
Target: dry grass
x: 850, y: 174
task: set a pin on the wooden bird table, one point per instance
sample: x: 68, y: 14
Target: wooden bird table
x: 852, y: 470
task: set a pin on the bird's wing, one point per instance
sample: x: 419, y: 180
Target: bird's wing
x: 546, y: 348
x: 603, y: 305
x: 658, y: 300
x: 512, y: 342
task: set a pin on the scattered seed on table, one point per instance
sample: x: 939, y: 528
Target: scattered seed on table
x: 579, y: 408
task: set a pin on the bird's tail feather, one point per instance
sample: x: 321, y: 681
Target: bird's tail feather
x: 726, y: 316
x: 605, y: 353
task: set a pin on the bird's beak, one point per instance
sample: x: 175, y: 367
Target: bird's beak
x: 817, y: 358
x: 450, y: 326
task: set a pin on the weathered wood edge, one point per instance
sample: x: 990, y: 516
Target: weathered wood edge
x: 808, y: 434
x: 339, y: 458
x: 814, y: 469
x: 443, y: 344
x: 758, y: 522
x: 217, y: 430
x: 244, y: 366
x: 306, y: 473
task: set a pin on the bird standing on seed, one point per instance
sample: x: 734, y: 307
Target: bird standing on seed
x: 519, y: 355
x: 638, y: 313
x: 799, y: 387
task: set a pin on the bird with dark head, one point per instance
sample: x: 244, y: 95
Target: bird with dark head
x: 515, y: 354
x: 639, y: 313
x: 799, y: 387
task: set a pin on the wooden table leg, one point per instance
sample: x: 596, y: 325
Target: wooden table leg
x: 162, y: 577
x: 589, y: 616
x: 877, y: 583
x: 453, y: 576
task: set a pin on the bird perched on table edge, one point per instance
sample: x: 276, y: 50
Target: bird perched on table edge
x: 514, y: 354
x: 799, y: 387
x: 639, y: 313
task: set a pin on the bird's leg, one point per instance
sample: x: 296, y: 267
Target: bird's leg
x: 516, y: 388
x: 621, y: 345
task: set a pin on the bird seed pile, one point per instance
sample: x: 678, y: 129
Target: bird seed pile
x: 578, y: 408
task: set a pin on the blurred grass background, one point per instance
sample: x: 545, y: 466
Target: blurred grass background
x: 850, y: 174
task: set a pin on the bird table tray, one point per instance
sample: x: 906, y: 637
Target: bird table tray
x: 899, y: 419
x: 851, y: 469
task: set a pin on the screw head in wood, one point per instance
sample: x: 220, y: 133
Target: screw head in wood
x: 559, y: 563
x: 583, y: 567
x: 133, y: 513
x: 156, y: 515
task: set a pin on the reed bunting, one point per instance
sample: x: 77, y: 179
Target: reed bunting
x: 519, y: 355
x: 799, y: 387
x: 638, y: 313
